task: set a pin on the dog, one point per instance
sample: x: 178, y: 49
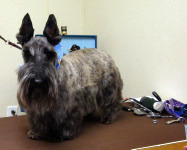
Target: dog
x: 57, y: 100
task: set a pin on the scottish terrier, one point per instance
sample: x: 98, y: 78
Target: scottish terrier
x: 57, y: 100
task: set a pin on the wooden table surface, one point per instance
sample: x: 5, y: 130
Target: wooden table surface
x: 128, y: 132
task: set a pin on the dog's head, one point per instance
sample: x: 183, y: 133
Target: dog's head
x: 37, y: 77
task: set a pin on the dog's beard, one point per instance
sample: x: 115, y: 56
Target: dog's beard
x: 40, y: 98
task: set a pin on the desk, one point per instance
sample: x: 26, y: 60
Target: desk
x: 128, y: 132
x: 179, y: 145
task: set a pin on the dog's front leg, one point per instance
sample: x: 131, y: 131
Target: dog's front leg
x: 71, y: 126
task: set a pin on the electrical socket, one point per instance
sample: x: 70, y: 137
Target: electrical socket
x: 10, y: 108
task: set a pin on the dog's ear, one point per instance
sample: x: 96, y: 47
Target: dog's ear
x: 51, y: 31
x: 26, y: 30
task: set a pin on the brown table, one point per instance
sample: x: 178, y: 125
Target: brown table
x: 128, y: 132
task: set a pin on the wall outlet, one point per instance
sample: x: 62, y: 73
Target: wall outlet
x: 12, y: 111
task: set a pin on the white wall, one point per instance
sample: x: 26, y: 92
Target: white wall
x: 148, y: 41
x: 68, y: 13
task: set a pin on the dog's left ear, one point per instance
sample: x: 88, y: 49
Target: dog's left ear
x: 26, y: 30
x: 51, y: 31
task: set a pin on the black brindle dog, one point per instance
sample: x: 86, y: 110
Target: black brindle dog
x: 56, y: 100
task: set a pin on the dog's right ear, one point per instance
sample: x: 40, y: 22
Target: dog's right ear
x: 26, y: 30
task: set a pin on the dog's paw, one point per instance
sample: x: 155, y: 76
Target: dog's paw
x: 107, y: 120
x: 33, y: 136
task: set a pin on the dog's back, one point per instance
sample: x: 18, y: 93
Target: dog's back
x: 93, y: 81
x: 87, y: 67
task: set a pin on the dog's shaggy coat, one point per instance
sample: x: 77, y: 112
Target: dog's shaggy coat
x: 56, y: 100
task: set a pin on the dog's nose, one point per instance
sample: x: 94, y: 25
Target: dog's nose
x: 38, y: 81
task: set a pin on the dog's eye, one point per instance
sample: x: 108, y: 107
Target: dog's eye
x: 49, y: 54
x: 26, y: 54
